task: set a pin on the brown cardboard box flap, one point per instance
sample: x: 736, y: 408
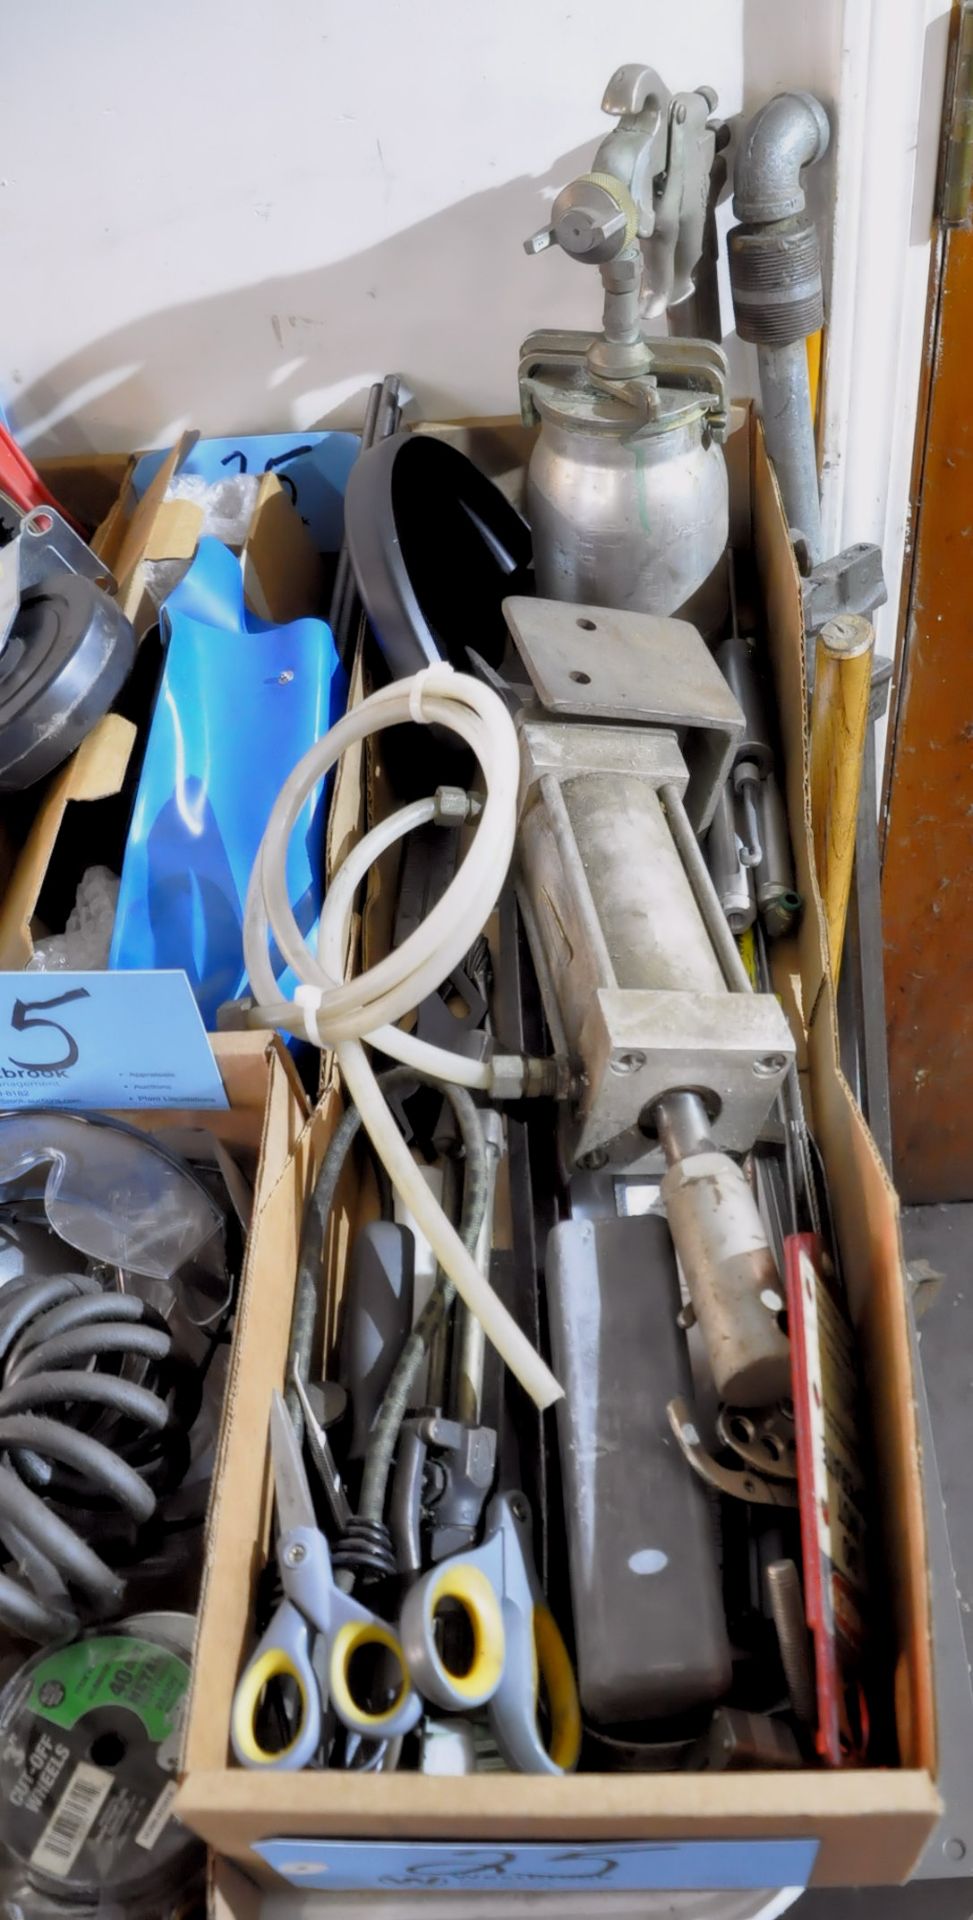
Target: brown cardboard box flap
x: 96, y: 770
x: 871, y: 1824
x: 865, y: 1204
x: 283, y: 572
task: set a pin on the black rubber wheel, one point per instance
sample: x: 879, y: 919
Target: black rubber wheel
x: 69, y: 653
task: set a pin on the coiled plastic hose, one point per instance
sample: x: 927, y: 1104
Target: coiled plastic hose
x: 84, y: 1443
x: 331, y: 1011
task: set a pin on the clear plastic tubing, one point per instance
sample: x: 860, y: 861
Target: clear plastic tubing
x: 339, y: 1013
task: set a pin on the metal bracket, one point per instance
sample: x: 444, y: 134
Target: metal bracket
x: 41, y: 543
x: 747, y: 1486
x: 852, y: 581
x: 763, y: 1439
x: 600, y: 663
x: 697, y: 367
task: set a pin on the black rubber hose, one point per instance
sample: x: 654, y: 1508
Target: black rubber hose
x: 84, y: 1311
x: 71, y: 1387
x: 102, y: 1469
x: 310, y: 1263
x: 310, y: 1260
x: 20, y: 1507
x: 116, y: 1400
x: 21, y: 1300
x: 385, y: 1432
x: 84, y: 1343
x: 22, y: 1613
x: 93, y: 1403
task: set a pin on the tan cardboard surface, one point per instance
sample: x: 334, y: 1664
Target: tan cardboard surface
x: 865, y: 1203
x: 871, y: 1824
x: 283, y: 573
x: 239, y: 1521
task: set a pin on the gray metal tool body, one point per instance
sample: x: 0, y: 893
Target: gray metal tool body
x: 447, y: 1461
x: 649, y: 1625
x: 778, y: 296
x: 758, y: 796
x: 640, y: 976
x: 627, y: 489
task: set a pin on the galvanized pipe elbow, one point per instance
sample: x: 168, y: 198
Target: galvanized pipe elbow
x: 788, y: 133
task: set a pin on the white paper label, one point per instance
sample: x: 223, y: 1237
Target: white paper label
x: 157, y: 1818
x: 72, y: 1820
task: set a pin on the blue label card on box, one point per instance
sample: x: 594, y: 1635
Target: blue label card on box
x: 624, y: 1866
x: 104, y: 1040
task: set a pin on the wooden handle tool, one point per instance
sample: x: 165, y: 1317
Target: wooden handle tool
x: 839, y: 721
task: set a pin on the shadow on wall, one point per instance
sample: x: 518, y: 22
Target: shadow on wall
x: 262, y: 356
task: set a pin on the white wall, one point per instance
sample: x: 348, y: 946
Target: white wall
x: 890, y: 91
x: 238, y: 213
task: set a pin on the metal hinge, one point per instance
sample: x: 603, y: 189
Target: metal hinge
x: 957, y: 174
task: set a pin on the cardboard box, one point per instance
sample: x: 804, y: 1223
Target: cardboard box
x: 44, y: 845
x: 262, y: 1124
x: 869, y: 1825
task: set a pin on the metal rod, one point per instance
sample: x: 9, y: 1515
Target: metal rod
x: 785, y: 391
x: 383, y: 415
x: 683, y: 1126
x: 787, y: 1608
x: 790, y: 1105
x: 470, y: 1337
x: 707, y: 898
x: 343, y: 574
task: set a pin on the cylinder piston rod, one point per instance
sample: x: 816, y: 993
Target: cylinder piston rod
x: 729, y: 1267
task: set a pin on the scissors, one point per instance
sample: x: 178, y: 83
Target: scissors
x: 313, y: 1606
x: 517, y: 1646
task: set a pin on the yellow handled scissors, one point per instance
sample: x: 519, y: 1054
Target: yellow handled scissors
x: 313, y: 1606
x: 516, y: 1643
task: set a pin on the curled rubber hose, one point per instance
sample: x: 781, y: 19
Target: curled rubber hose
x: 103, y: 1470
x: 74, y: 1559
x: 30, y: 1618
x: 95, y: 1410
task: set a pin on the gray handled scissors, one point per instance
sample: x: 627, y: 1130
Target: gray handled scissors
x: 516, y: 1643
x: 313, y: 1606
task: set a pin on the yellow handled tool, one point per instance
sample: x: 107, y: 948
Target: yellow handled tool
x: 515, y: 1645
x: 314, y: 1607
x: 839, y: 722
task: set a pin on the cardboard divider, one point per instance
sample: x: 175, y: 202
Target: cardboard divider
x: 94, y: 772
x: 865, y: 1203
x: 240, y: 1509
x: 870, y: 1823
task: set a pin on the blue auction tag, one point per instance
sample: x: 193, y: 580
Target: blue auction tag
x: 104, y: 1040
x: 534, y: 1866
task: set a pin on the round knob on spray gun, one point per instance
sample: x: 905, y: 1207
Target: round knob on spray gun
x: 594, y: 219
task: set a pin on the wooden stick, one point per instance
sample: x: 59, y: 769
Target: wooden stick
x: 839, y: 720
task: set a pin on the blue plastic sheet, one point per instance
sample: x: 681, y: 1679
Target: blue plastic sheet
x: 239, y: 702
x: 312, y: 468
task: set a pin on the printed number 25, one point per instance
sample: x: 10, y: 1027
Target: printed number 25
x: 30, y: 1013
